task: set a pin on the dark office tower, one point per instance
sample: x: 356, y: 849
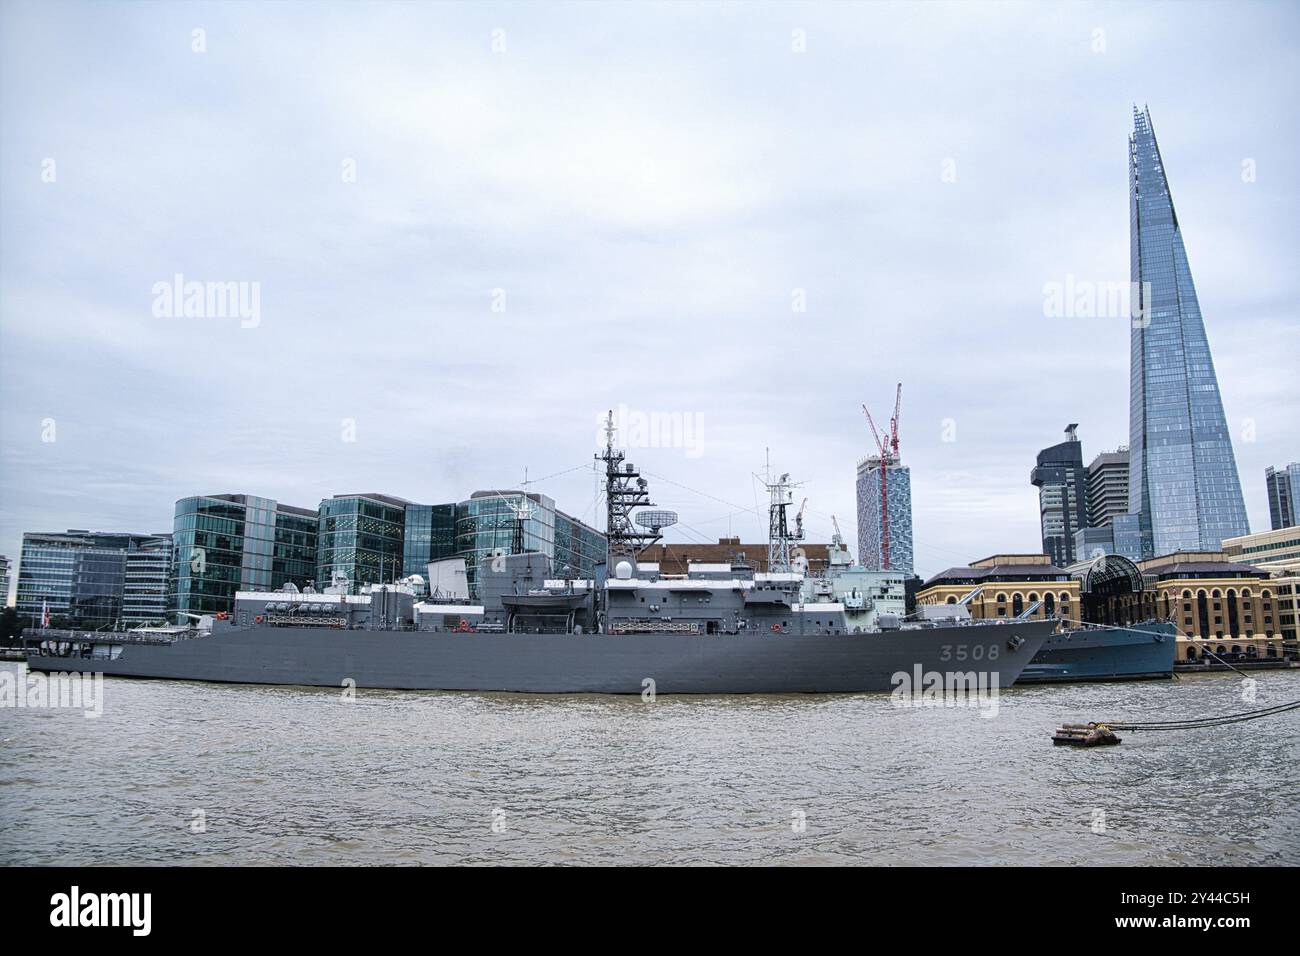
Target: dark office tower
x: 1059, y: 477
x: 1283, y: 486
x: 1183, y: 482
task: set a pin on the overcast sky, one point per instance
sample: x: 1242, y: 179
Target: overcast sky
x: 649, y: 186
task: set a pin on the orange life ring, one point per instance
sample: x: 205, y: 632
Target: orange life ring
x: 258, y: 619
x: 776, y: 628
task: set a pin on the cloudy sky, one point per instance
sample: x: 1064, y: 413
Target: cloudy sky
x: 473, y: 228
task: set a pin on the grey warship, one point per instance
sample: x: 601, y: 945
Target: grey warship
x: 719, y: 629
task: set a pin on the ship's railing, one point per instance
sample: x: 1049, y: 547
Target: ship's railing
x: 282, y: 619
x: 641, y: 627
x: 46, y: 639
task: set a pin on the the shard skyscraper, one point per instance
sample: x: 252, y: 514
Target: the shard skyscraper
x: 1183, y: 482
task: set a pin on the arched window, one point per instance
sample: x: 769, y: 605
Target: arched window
x: 1049, y: 604
x: 1017, y: 604
x: 952, y: 600
x: 1002, y: 599
x: 1065, y: 597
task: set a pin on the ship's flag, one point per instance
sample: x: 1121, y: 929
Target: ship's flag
x: 45, y: 614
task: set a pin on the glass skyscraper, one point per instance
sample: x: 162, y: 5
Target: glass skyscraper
x: 1183, y: 482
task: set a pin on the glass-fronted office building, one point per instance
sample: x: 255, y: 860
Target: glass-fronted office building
x: 147, y: 578
x: 361, y: 538
x: 485, y: 525
x: 430, y: 535
x: 1283, y: 486
x: 1061, y: 480
x: 78, y: 577
x: 1183, y: 481
x: 227, y: 543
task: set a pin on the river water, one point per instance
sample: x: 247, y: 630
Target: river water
x: 193, y: 773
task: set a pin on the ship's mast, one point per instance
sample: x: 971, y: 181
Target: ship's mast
x: 625, y: 489
x: 779, y: 536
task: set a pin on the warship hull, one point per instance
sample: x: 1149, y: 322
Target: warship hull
x: 747, y: 663
x: 1142, y: 652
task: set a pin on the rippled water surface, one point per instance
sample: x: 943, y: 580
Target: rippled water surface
x: 297, y: 775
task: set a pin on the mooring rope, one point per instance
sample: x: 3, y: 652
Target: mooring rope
x: 1192, y: 723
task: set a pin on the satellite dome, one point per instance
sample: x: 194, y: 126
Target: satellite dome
x: 623, y: 570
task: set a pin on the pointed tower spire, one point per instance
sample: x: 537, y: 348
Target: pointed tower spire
x: 1183, y: 481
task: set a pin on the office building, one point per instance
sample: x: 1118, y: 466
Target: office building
x: 1060, y: 479
x: 235, y: 542
x: 77, y: 576
x: 1283, y: 486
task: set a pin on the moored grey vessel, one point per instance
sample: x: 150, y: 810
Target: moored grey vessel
x: 719, y: 629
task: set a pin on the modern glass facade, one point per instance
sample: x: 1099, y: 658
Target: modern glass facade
x: 578, y: 548
x: 148, y: 574
x: 78, y: 576
x: 361, y: 537
x: 430, y: 535
x: 870, y: 531
x: 1183, y: 481
x: 485, y: 524
x: 227, y: 543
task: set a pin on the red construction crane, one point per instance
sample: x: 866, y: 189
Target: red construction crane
x: 888, y: 455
